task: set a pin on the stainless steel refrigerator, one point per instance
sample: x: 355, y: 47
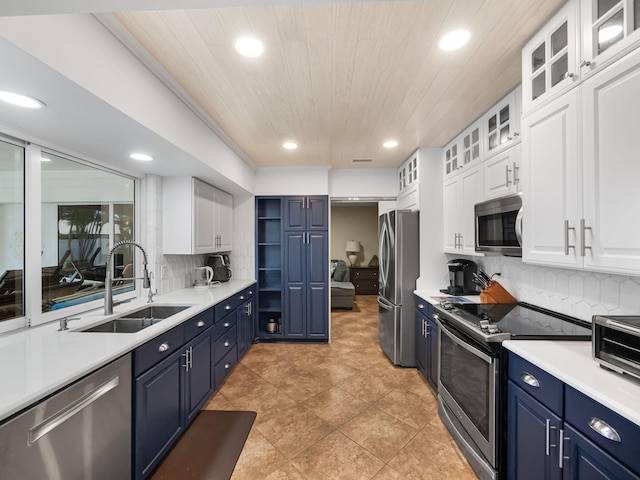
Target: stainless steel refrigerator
x: 399, y: 258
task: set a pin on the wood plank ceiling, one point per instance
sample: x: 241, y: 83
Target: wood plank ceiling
x: 339, y: 79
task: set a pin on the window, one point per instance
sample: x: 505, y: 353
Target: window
x: 12, y: 304
x: 85, y: 210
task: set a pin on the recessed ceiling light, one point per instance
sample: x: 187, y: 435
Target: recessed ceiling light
x: 249, y: 47
x: 454, y: 40
x: 607, y: 33
x: 20, y: 100
x: 390, y: 144
x: 290, y: 145
x: 143, y: 157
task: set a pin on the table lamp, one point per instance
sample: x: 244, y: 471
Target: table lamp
x: 353, y: 248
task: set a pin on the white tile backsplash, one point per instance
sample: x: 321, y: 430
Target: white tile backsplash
x: 572, y: 292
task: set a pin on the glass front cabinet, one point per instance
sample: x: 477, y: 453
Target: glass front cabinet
x: 502, y: 124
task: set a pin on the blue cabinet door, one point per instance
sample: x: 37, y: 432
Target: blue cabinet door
x: 533, y: 436
x: 245, y: 326
x: 295, y: 290
x: 432, y: 350
x: 421, y: 345
x: 317, y: 282
x: 199, y: 383
x: 584, y: 460
x: 158, y: 412
x: 317, y: 213
x: 295, y: 213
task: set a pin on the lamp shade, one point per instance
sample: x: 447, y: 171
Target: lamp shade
x: 352, y: 246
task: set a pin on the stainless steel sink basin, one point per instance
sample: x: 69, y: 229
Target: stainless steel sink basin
x: 156, y: 312
x: 137, y: 320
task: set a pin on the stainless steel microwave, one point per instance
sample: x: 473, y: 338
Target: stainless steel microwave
x: 499, y: 226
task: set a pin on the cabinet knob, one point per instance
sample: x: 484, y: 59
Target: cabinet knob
x: 227, y: 307
x: 227, y: 366
x: 227, y: 324
x: 420, y: 306
x: 226, y: 343
x: 164, y: 347
x: 568, y: 75
x: 585, y: 63
x: 200, y: 324
x: 241, y: 297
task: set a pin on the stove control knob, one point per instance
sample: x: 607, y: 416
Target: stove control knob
x: 493, y: 329
x: 484, y: 324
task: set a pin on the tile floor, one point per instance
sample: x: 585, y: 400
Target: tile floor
x: 338, y: 411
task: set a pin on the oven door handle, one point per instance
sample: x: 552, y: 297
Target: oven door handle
x: 458, y: 341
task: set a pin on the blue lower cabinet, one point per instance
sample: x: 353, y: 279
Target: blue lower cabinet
x: 426, y: 343
x: 533, y: 431
x: 199, y: 377
x: 158, y: 413
x: 245, y: 323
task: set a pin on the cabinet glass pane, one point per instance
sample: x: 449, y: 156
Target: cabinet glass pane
x: 448, y: 168
x: 475, y: 134
x: 476, y: 151
x: 610, y: 32
x: 467, y: 141
x: 454, y: 163
x: 454, y: 151
x: 467, y: 156
x: 538, y: 86
x: 538, y: 58
x: 448, y: 155
x: 604, y: 6
x: 504, y: 115
x: 559, y: 39
x: 493, y: 123
x: 504, y: 134
x: 493, y: 141
x: 558, y: 70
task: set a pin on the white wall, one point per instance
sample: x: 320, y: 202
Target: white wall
x: 354, y: 222
x: 363, y: 182
x: 292, y: 181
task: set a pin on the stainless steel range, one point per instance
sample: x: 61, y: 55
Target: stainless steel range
x: 472, y: 380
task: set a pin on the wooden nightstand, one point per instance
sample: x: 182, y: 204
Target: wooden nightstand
x: 365, y: 279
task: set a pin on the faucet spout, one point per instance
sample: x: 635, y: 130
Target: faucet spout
x: 108, y: 287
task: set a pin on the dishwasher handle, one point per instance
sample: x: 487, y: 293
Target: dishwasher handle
x: 39, y: 431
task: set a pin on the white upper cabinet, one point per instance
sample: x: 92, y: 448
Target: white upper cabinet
x: 610, y: 120
x: 452, y: 158
x: 197, y: 218
x: 461, y: 193
x: 502, y: 173
x: 464, y: 151
x: 501, y: 124
x: 550, y: 63
x: 610, y: 29
x: 409, y: 184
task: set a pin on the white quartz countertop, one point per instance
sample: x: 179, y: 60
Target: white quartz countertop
x: 434, y: 296
x: 35, y: 362
x: 572, y: 363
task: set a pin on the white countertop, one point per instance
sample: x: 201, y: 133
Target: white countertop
x: 572, y: 363
x: 433, y: 296
x: 35, y: 362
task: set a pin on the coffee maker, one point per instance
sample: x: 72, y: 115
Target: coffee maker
x: 461, y: 277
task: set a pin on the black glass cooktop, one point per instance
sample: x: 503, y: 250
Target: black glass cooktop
x: 523, y: 321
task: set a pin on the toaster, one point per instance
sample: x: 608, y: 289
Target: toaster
x: 616, y: 343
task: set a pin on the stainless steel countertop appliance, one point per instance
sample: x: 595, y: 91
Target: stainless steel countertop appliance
x: 616, y: 343
x: 472, y: 375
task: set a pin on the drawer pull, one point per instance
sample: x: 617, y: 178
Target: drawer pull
x: 226, y: 343
x: 530, y: 380
x: 201, y: 324
x: 164, y: 347
x: 227, y: 324
x: 227, y: 307
x: 603, y: 428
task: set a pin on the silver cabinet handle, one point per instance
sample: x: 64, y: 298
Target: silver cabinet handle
x: 561, y: 449
x: 507, y: 172
x: 585, y: 63
x: 583, y: 229
x: 39, y: 431
x: 426, y: 329
x: 566, y: 237
x: 200, y: 324
x: 226, y: 343
x: 516, y: 179
x: 603, y: 428
x: 227, y: 324
x: 530, y: 380
x: 548, y: 443
x: 164, y: 347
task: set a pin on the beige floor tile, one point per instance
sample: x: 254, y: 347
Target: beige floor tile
x: 242, y: 382
x: 334, y: 371
x: 335, y: 406
x: 287, y: 472
x: 294, y: 430
x: 265, y: 401
x: 380, y: 433
x: 337, y: 457
x: 302, y: 386
x: 412, y: 409
x: 367, y: 387
x: 218, y: 402
x: 258, y: 458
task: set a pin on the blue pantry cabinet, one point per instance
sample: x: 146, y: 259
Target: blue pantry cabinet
x: 556, y: 432
x: 292, y: 263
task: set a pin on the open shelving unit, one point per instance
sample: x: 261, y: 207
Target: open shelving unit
x: 269, y: 266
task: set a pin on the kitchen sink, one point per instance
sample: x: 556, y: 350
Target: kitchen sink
x: 138, y: 319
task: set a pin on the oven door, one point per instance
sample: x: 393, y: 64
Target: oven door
x: 467, y: 386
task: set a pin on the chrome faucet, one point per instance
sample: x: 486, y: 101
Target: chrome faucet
x: 108, y: 288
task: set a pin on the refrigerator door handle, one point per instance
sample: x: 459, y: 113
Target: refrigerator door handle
x: 384, y: 304
x: 384, y: 254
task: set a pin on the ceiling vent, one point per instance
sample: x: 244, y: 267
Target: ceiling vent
x: 362, y: 160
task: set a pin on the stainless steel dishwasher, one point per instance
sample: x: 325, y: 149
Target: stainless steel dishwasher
x: 82, y: 432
